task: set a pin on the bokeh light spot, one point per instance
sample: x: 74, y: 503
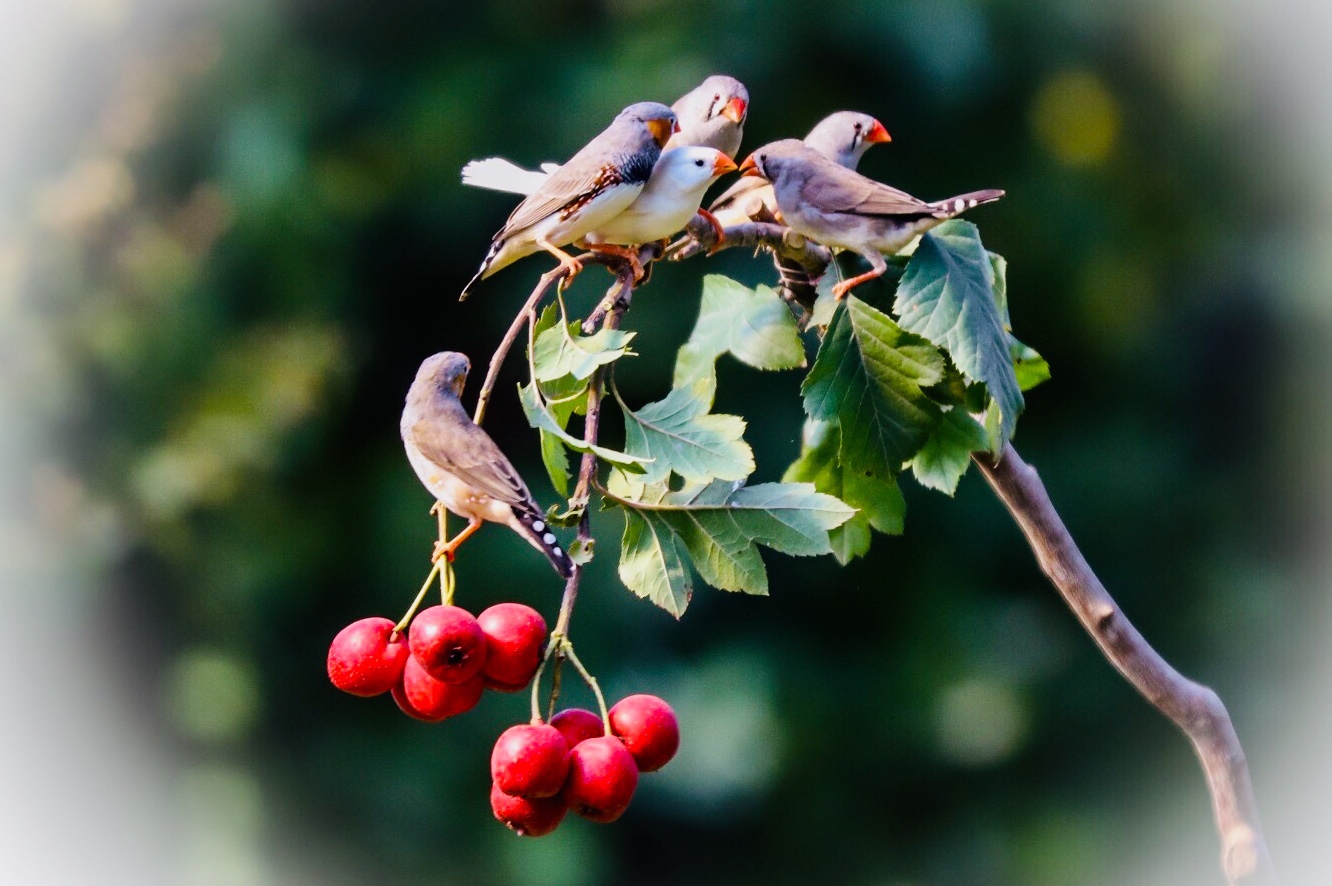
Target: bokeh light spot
x: 212, y: 696
x: 1076, y: 118
x: 980, y: 722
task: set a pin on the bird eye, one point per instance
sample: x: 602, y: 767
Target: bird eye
x: 698, y: 163
x: 716, y: 97
x: 859, y: 126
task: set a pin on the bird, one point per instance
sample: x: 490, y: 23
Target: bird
x: 842, y: 137
x: 597, y: 183
x: 840, y: 208
x: 671, y: 198
x: 711, y: 115
x: 462, y: 467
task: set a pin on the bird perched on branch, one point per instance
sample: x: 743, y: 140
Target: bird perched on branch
x: 666, y: 205
x: 711, y: 115
x: 462, y: 467
x: 843, y: 138
x: 597, y: 183
x: 840, y: 208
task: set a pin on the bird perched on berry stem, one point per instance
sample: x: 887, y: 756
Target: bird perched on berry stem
x: 597, y: 183
x: 711, y: 115
x: 462, y: 467
x: 840, y: 208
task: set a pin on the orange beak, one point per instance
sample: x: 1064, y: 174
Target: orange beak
x: 723, y: 164
x: 878, y: 134
x: 735, y: 110
x: 749, y: 168
x: 661, y: 130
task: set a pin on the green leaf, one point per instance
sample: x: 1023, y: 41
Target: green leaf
x: 868, y: 378
x: 561, y: 350
x: 943, y: 460
x: 679, y: 435
x: 947, y: 295
x: 554, y: 455
x: 879, y: 502
x: 538, y: 417
x: 753, y: 325
x: 1030, y: 366
x: 718, y: 527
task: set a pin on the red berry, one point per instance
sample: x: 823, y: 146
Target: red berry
x: 515, y: 637
x: 448, y: 643
x: 530, y: 761
x: 576, y: 725
x: 365, y: 659
x: 602, y: 778
x: 425, y: 698
x: 648, y: 728
x: 527, y: 817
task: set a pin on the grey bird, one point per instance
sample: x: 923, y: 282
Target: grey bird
x: 597, y: 183
x: 843, y: 138
x: 462, y: 467
x: 840, y: 208
x: 711, y: 115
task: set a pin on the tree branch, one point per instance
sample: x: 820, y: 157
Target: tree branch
x: 800, y: 262
x: 1195, y: 709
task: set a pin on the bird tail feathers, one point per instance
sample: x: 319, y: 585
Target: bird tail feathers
x: 962, y: 202
x: 498, y: 174
x: 531, y: 525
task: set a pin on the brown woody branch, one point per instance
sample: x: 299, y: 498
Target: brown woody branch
x: 1195, y: 709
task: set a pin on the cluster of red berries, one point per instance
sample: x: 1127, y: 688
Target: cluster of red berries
x: 540, y: 771
x: 447, y: 659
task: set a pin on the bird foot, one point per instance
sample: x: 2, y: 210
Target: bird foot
x: 718, y: 232
x: 442, y: 550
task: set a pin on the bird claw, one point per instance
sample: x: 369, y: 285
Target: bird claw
x: 840, y: 290
x: 718, y: 232
x: 442, y: 550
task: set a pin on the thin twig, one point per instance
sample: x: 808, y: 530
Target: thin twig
x: 800, y: 261
x: 1195, y: 709
x: 618, y: 298
x: 528, y: 315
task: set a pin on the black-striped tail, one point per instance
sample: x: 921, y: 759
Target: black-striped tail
x: 962, y: 202
x: 539, y: 534
x: 495, y: 246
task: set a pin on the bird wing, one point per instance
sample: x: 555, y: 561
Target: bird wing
x: 467, y: 452
x: 836, y: 189
x: 582, y: 177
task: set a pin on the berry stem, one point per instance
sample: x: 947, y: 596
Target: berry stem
x: 551, y: 646
x: 567, y: 649
x: 416, y: 604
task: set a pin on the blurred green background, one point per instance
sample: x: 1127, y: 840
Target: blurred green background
x: 232, y: 231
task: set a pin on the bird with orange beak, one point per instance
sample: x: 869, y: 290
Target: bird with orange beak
x: 842, y: 137
x: 711, y: 115
x: 598, y: 183
x: 842, y: 209
x: 670, y: 200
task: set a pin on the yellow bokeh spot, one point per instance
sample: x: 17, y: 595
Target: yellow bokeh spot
x: 1076, y: 118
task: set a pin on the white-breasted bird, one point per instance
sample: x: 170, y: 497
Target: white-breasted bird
x: 462, y: 467
x: 842, y: 137
x: 711, y: 115
x: 665, y: 206
x: 597, y: 183
x: 837, y: 207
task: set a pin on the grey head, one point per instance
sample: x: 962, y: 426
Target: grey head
x: 442, y: 373
x: 712, y: 114
x: 659, y: 120
x: 845, y: 136
x: 774, y: 159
